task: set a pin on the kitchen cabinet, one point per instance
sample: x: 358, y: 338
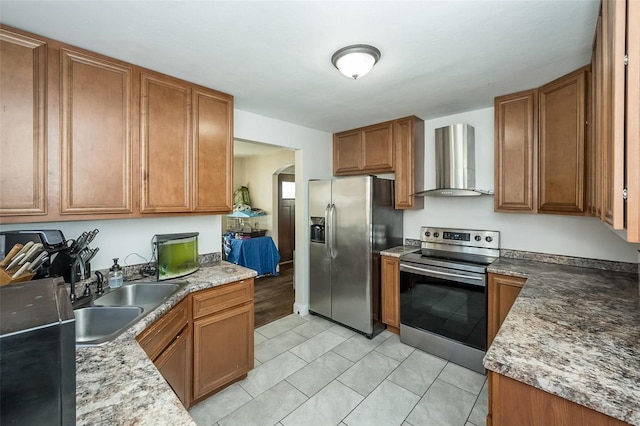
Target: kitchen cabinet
x: 514, y: 403
x: 363, y: 151
x: 615, y: 110
x: 95, y: 137
x: 408, y: 138
x: 167, y: 342
x: 503, y: 292
x: 185, y: 150
x: 205, y: 342
x: 561, y: 149
x: 390, y: 281
x: 152, y: 145
x: 222, y: 336
x: 393, y: 146
x: 165, y: 144
x: 516, y: 177
x: 540, y: 148
x: 23, y: 135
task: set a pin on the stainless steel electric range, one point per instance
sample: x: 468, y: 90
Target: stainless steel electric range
x: 443, y: 294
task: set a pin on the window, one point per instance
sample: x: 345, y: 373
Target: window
x: 288, y: 190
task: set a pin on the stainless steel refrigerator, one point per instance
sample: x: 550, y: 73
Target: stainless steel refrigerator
x: 352, y: 219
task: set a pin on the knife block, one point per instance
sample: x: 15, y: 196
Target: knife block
x: 5, y: 276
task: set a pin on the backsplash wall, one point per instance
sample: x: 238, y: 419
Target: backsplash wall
x: 564, y: 235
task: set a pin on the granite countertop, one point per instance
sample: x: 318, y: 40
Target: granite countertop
x: 573, y: 332
x: 118, y: 384
x: 399, y: 251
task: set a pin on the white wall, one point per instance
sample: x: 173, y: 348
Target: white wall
x: 565, y: 235
x: 119, y: 238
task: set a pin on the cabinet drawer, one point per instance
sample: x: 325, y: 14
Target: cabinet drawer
x: 160, y: 334
x: 207, y: 302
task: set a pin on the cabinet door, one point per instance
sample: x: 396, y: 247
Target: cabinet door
x: 165, y: 139
x: 222, y: 349
x: 562, y: 147
x: 23, y: 142
x: 173, y: 365
x: 391, y: 292
x: 377, y: 148
x: 212, y: 151
x: 503, y: 292
x: 613, y: 112
x: 347, y: 153
x: 633, y: 124
x: 515, y: 152
x: 95, y: 135
x: 408, y: 138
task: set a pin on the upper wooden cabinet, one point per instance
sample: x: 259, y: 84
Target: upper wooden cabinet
x: 615, y: 171
x: 212, y: 152
x: 95, y: 134
x: 540, y: 148
x: 408, y: 138
x: 186, y: 157
x: 393, y: 146
x: 561, y: 150
x: 23, y: 136
x: 95, y: 138
x: 365, y: 150
x: 165, y: 144
x: 516, y: 131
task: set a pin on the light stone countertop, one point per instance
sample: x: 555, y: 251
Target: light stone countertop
x: 399, y: 251
x: 573, y: 332
x: 118, y: 384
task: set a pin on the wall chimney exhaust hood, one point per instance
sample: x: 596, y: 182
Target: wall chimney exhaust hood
x: 455, y: 163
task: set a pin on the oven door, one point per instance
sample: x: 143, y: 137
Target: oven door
x: 445, y: 302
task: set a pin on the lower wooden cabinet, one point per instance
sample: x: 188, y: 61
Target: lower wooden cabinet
x: 515, y: 403
x: 174, y: 363
x: 503, y: 291
x: 222, y: 348
x: 205, y: 342
x: 390, y: 277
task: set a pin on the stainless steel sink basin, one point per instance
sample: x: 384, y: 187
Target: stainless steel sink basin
x: 99, y: 324
x: 147, y: 295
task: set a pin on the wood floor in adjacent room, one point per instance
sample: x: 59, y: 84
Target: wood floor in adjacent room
x: 273, y: 296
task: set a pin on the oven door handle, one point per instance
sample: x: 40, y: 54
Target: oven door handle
x: 431, y: 272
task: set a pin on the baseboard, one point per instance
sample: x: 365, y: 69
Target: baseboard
x: 302, y: 310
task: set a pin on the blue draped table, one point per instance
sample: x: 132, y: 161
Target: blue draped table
x: 259, y: 254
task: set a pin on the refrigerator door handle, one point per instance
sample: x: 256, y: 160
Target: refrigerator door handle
x: 332, y: 211
x: 329, y: 225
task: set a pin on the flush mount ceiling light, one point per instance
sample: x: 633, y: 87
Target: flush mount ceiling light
x: 356, y: 60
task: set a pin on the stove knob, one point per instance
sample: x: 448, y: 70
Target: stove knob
x: 477, y: 238
x: 427, y: 234
x: 436, y: 234
x: 489, y: 239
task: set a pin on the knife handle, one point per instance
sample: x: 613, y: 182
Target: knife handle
x: 16, y: 248
x: 21, y: 271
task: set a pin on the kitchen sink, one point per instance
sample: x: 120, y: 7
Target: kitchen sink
x: 146, y: 295
x: 99, y: 324
x: 115, y: 311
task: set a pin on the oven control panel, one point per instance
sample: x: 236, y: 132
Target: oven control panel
x: 462, y: 237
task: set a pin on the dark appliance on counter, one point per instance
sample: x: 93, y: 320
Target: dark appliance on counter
x: 352, y: 219
x: 443, y: 294
x: 37, y: 354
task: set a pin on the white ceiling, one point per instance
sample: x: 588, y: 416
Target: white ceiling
x: 438, y: 57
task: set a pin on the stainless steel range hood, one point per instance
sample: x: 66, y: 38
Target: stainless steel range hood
x: 455, y: 163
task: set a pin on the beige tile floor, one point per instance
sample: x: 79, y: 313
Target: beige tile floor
x: 310, y: 371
